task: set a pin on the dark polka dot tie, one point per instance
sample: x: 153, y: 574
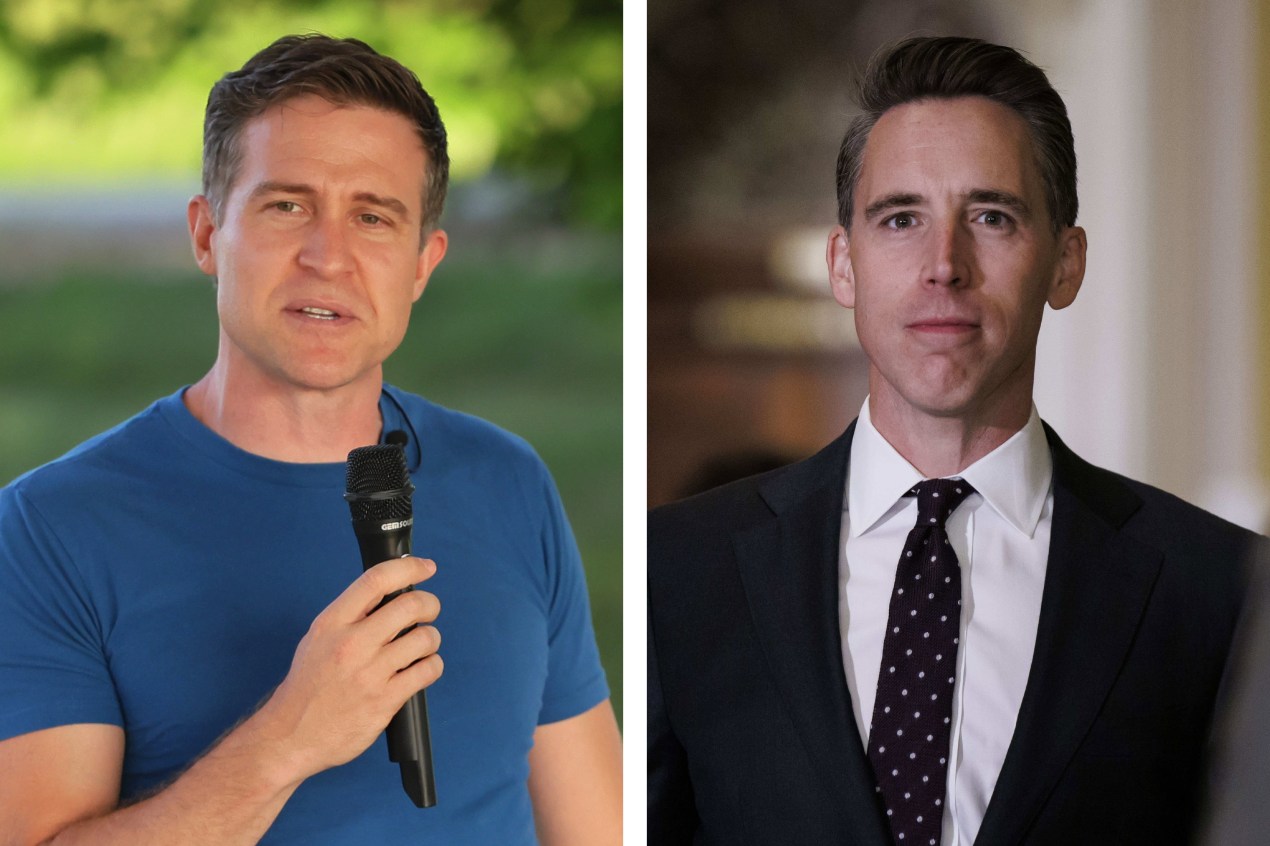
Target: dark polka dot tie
x: 912, y: 714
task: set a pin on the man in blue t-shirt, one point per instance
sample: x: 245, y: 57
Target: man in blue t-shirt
x: 189, y: 652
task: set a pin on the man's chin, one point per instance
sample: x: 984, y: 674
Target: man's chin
x: 327, y: 378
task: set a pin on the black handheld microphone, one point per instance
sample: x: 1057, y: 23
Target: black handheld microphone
x: 378, y: 496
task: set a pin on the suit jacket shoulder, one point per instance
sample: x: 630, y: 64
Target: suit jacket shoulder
x: 714, y: 516
x: 1147, y: 512
x: 1201, y: 554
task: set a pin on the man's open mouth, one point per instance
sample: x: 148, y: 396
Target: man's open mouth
x: 319, y: 313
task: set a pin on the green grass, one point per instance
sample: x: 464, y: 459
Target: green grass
x: 529, y: 344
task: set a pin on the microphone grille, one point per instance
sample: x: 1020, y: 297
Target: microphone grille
x: 379, y: 469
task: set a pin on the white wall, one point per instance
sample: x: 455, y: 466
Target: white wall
x: 1153, y: 371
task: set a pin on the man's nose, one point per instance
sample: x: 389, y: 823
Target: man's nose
x: 947, y: 264
x: 325, y: 249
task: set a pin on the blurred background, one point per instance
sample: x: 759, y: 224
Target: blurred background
x: 1161, y: 369
x: 102, y: 310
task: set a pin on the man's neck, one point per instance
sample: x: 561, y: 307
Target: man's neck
x: 284, y: 422
x: 941, y: 446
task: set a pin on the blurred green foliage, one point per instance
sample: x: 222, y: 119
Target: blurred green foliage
x: 111, y: 89
x: 529, y: 339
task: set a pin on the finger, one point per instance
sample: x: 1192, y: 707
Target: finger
x: 414, y: 645
x: 415, y: 678
x: 402, y: 612
x: 361, y: 597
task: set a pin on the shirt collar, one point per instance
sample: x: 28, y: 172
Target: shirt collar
x: 1014, y: 479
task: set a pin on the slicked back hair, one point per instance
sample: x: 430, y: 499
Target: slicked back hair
x: 343, y: 71
x: 943, y: 68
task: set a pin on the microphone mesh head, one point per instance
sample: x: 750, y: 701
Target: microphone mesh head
x: 379, y: 469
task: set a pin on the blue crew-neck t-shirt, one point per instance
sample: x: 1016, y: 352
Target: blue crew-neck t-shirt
x: 159, y: 578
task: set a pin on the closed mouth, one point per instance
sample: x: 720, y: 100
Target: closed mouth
x: 943, y: 325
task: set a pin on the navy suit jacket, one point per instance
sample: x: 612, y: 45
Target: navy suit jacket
x: 751, y: 734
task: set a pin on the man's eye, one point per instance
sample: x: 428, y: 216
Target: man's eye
x: 995, y: 218
x: 371, y: 219
x: 903, y: 220
x: 286, y: 206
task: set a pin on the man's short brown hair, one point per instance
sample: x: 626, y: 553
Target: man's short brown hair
x: 943, y: 68
x: 345, y: 72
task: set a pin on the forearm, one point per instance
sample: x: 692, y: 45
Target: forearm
x: 230, y: 796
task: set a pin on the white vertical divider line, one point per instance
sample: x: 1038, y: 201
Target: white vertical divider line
x: 635, y: 417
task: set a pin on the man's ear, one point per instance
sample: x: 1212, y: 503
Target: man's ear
x: 841, y: 274
x: 1070, y: 271
x: 431, y: 251
x: 202, y: 225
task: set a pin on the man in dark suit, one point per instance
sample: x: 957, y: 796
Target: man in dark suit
x: 945, y: 627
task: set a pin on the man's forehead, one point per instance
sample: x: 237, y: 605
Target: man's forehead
x: 304, y: 110
x: 968, y: 141
x: 275, y: 145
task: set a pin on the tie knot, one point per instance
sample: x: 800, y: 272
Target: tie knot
x: 936, y: 499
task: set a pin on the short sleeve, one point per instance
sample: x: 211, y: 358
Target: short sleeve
x: 53, y: 666
x: 575, y: 679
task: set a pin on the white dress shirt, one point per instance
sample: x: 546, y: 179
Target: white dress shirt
x: 1001, y: 536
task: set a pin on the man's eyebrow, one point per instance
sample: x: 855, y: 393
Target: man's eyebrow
x: 270, y: 186
x: 390, y: 203
x: 891, y: 201
x: 993, y: 197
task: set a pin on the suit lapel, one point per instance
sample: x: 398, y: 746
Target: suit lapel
x: 789, y: 569
x: 1097, y: 584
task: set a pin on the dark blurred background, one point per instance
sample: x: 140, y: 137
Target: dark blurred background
x: 751, y: 363
x: 102, y: 310
x: 1160, y: 369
